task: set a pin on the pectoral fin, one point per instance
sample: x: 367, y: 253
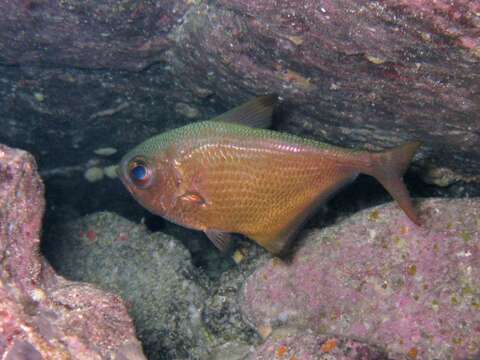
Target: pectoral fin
x: 255, y: 113
x: 187, y: 192
x: 193, y: 198
x: 222, y: 240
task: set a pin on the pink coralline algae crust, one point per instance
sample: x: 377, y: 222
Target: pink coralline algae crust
x: 379, y: 278
x: 442, y: 14
x: 355, y: 73
x: 350, y: 66
x: 42, y: 315
x: 291, y: 344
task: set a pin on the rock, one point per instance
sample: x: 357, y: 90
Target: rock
x: 358, y: 74
x: 232, y: 338
x: 94, y: 174
x: 376, y: 277
x: 106, y: 151
x: 352, y: 73
x: 294, y: 344
x: 110, y: 171
x: 152, y: 272
x: 187, y: 110
x: 127, y: 35
x: 42, y: 315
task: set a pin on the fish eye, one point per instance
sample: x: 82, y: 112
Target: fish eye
x: 140, y: 172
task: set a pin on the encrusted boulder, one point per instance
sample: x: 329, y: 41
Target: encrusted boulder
x: 152, y: 272
x: 85, y: 74
x: 42, y: 315
x: 378, y: 278
x: 294, y: 344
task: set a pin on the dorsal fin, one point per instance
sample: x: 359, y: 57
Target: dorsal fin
x: 254, y: 113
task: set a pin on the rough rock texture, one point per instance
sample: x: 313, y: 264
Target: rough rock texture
x: 353, y: 72
x: 152, y: 272
x: 293, y: 344
x: 378, y: 278
x: 115, y: 34
x: 42, y: 315
x: 177, y: 311
x: 79, y: 75
x: 231, y: 337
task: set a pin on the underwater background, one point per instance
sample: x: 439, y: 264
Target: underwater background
x: 83, y: 82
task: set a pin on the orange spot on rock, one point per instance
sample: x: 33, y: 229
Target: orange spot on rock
x: 276, y: 261
x: 281, y: 351
x: 374, y: 215
x: 297, y: 40
x: 91, y: 235
x: 328, y: 345
x: 404, y: 230
x: 293, y: 77
x: 297, y: 79
x: 412, y: 353
x: 412, y: 270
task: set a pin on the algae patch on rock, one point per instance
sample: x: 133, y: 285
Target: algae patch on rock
x: 152, y: 272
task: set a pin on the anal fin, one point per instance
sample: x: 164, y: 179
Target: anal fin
x: 278, y: 241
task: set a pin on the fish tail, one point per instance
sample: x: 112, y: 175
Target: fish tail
x: 388, y: 168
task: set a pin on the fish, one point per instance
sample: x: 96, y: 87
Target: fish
x: 233, y: 175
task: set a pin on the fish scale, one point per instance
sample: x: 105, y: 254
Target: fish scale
x: 278, y: 185
x: 223, y: 177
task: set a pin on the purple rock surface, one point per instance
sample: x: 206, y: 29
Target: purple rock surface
x: 292, y: 344
x: 87, y: 74
x: 42, y: 315
x: 87, y: 34
x: 377, y: 277
x: 353, y: 72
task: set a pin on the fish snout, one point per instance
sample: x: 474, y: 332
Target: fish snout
x: 121, y: 167
x: 122, y: 173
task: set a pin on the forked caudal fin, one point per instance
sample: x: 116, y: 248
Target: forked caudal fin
x: 388, y: 168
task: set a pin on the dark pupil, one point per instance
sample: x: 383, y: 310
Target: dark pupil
x: 139, y: 172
